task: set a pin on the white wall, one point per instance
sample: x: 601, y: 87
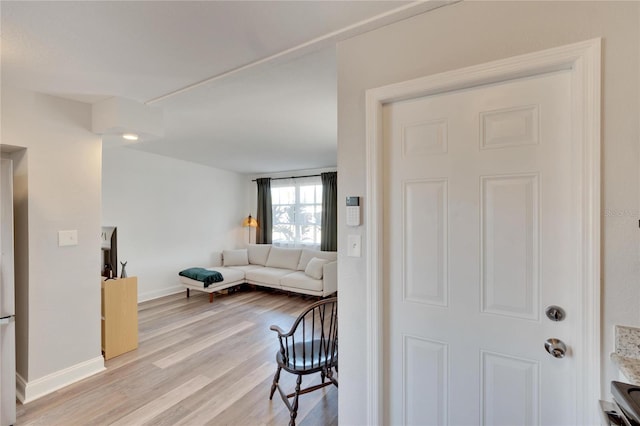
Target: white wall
x: 58, y: 189
x: 471, y: 33
x: 171, y: 214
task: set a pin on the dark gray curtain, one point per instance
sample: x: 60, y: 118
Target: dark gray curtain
x: 329, y: 240
x: 264, y: 213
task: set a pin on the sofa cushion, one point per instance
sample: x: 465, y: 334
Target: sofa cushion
x: 235, y: 257
x: 308, y: 254
x: 314, y: 267
x: 258, y: 253
x: 300, y: 280
x: 245, y: 268
x: 266, y: 275
x: 285, y: 258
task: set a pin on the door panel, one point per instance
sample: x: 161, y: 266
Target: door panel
x: 506, y: 378
x: 478, y: 240
x: 509, y: 234
x: 424, y: 361
x: 425, y: 248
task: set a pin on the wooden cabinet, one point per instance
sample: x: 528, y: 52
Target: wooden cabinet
x: 119, y: 316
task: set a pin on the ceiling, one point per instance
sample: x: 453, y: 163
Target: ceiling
x: 244, y: 86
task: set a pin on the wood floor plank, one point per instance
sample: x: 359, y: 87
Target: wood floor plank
x: 242, y: 297
x: 150, y: 348
x: 152, y: 409
x: 150, y: 334
x: 199, y: 346
x: 218, y: 359
x: 206, y: 413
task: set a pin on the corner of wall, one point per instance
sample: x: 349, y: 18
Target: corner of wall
x: 28, y: 391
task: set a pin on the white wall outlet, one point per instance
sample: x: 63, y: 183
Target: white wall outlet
x: 354, y: 242
x: 68, y: 238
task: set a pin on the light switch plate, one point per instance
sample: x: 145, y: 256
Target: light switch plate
x: 354, y: 243
x: 68, y: 238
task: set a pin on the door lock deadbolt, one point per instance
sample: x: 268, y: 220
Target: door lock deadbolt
x: 555, y: 313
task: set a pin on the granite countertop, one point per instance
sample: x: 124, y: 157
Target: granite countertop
x: 630, y: 367
x: 627, y: 354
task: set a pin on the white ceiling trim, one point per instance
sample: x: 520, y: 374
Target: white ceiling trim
x: 393, y: 15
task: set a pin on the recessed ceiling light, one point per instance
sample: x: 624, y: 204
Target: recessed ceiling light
x: 130, y: 136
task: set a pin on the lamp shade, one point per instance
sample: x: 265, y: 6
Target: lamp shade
x: 250, y: 222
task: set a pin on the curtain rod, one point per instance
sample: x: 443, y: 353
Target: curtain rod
x: 290, y: 177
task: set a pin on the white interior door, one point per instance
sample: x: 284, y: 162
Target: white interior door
x: 480, y: 207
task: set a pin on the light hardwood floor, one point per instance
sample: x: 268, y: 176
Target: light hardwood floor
x: 197, y: 363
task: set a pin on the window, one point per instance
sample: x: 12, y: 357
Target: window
x: 297, y: 212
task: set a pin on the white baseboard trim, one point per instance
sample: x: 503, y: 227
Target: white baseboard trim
x: 21, y: 383
x: 155, y: 294
x: 28, y: 391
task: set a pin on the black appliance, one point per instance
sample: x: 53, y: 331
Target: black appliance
x: 109, y: 251
x: 627, y: 397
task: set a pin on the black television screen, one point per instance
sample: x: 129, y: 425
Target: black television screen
x: 109, y: 251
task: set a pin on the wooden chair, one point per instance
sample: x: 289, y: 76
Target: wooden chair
x: 311, y: 346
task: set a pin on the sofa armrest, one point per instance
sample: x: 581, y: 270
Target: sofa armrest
x: 216, y: 258
x: 329, y: 278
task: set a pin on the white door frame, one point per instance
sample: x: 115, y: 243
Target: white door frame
x: 583, y: 61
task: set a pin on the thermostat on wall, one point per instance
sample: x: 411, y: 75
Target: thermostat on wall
x: 353, y: 211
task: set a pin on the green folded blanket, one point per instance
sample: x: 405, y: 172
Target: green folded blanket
x: 207, y: 276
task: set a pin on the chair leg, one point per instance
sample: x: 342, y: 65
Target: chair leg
x: 294, y: 406
x: 322, y: 375
x: 276, y: 379
x: 330, y: 376
x: 188, y: 293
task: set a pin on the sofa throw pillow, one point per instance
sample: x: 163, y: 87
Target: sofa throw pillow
x: 308, y: 254
x: 286, y: 258
x: 235, y: 257
x: 259, y: 253
x: 314, y: 267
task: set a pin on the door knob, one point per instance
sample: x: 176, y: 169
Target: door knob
x: 555, y: 347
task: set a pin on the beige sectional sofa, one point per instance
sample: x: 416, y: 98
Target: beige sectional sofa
x: 296, y: 270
